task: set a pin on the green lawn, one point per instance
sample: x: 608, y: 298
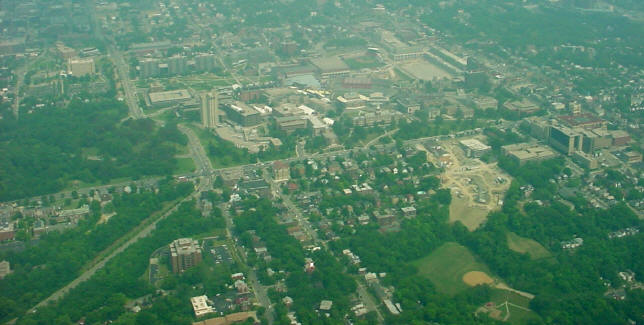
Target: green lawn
x: 518, y: 306
x: 446, y: 265
x: 362, y: 62
x: 185, y: 165
x: 526, y: 245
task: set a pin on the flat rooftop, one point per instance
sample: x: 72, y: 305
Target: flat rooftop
x: 525, y: 151
x: 522, y: 105
x: 474, y: 144
x: 580, y: 119
x: 172, y: 95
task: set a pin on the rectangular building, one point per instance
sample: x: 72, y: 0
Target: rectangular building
x: 5, y: 269
x: 565, y: 139
x: 525, y: 152
x: 524, y: 106
x: 169, y: 98
x: 81, y: 67
x: 281, y: 171
x: 243, y: 115
x: 184, y: 254
x: 290, y: 124
x: 149, y: 68
x: 209, y: 106
x: 200, y: 305
x: 474, y: 148
x: 331, y: 67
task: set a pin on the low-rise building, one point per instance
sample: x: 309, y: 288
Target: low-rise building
x: 474, y: 148
x: 242, y: 114
x: 74, y: 214
x: 7, y: 232
x: 587, y: 121
x: 326, y: 305
x: 290, y: 124
x: 331, y: 67
x: 169, y: 98
x: 525, y: 152
x: 81, y: 67
x: 5, y: 269
x: 281, y: 171
x: 200, y: 305
x: 256, y: 186
x: 620, y: 138
x: 408, y: 212
x: 585, y: 160
x: 523, y: 107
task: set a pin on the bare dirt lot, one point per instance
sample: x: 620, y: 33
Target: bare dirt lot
x: 477, y: 188
x: 474, y: 278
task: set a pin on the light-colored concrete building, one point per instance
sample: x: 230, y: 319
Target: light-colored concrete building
x: 474, y: 148
x: 209, y: 107
x: 525, y: 152
x: 81, y: 67
x: 5, y: 269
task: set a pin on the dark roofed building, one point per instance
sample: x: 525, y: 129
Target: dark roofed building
x: 586, y: 120
x: 256, y: 186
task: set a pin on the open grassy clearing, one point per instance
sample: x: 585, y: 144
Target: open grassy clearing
x: 446, y: 266
x: 362, y: 62
x: 471, y: 216
x: 185, y: 165
x: 526, y: 245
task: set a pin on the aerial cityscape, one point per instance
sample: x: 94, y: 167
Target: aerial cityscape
x: 321, y: 162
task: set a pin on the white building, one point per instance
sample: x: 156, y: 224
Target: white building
x: 474, y: 148
x: 200, y: 305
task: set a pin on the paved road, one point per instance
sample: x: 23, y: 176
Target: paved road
x: 364, y: 295
x: 20, y: 73
x: 212, y: 171
x: 203, y: 164
x: 204, y: 184
x: 199, y: 155
x: 128, y: 88
x: 262, y: 296
x: 386, y: 134
x: 89, y: 273
x: 122, y: 68
x: 368, y: 300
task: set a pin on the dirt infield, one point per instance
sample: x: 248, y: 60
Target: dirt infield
x: 474, y: 278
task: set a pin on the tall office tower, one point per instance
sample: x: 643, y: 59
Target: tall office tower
x: 149, y: 68
x: 209, y: 106
x: 177, y: 65
x: 205, y: 62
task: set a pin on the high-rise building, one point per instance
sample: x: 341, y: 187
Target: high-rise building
x: 209, y: 106
x: 149, y: 68
x: 177, y: 65
x: 205, y: 62
x: 184, y: 254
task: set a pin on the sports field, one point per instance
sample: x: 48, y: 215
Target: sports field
x: 362, y: 62
x: 509, y: 306
x: 526, y: 245
x: 447, y: 266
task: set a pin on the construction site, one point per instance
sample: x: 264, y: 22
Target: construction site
x: 477, y: 188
